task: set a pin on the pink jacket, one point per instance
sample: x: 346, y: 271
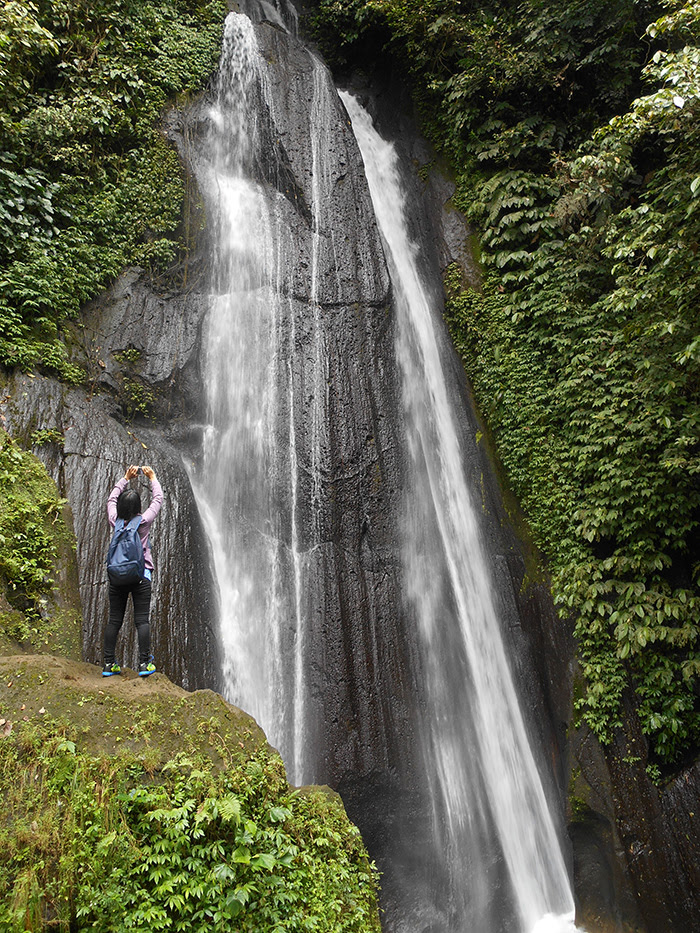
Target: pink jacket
x: 148, y: 516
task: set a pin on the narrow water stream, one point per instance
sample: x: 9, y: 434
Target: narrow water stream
x: 487, y: 790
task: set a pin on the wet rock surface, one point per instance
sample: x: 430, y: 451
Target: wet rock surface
x: 637, y: 845
x: 141, y: 343
x: 96, y: 450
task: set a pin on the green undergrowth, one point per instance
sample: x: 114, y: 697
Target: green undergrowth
x: 573, y: 130
x: 88, y: 182
x: 36, y: 544
x: 129, y: 842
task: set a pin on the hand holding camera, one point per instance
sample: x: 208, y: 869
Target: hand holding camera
x: 146, y: 470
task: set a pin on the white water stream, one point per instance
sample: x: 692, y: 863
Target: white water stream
x: 477, y: 751
x: 249, y: 468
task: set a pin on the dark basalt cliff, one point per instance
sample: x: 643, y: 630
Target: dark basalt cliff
x: 97, y: 448
x: 636, y: 845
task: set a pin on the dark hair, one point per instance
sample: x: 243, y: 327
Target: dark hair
x: 128, y: 504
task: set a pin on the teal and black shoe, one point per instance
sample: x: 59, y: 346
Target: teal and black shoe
x: 109, y: 670
x: 147, y: 667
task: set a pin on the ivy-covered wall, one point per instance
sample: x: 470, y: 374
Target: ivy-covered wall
x: 573, y: 130
x: 88, y: 183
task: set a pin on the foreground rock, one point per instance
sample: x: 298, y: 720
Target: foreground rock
x: 126, y: 714
x: 130, y: 803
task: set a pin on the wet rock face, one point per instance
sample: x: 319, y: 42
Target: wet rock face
x: 605, y: 897
x: 141, y: 343
x: 97, y: 448
x: 350, y: 260
x: 637, y: 846
x: 658, y: 829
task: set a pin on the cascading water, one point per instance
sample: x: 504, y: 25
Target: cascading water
x: 478, y: 758
x: 244, y: 481
x: 297, y: 454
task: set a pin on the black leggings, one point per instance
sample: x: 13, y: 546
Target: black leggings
x: 118, y: 598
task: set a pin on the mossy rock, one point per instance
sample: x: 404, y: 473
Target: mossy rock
x: 125, y: 715
x: 129, y: 803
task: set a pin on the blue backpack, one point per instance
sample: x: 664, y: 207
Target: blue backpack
x: 125, y: 560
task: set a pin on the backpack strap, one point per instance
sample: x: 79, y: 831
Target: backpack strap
x: 119, y: 524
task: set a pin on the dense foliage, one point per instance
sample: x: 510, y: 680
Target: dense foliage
x: 102, y: 844
x: 32, y: 533
x: 573, y: 128
x: 88, y: 183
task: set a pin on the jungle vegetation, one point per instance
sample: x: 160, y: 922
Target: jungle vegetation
x: 123, y: 842
x: 36, y: 538
x: 573, y: 131
x: 88, y: 182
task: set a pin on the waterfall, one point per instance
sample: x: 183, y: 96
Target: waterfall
x: 244, y: 486
x: 263, y: 478
x: 478, y: 757
x: 300, y: 483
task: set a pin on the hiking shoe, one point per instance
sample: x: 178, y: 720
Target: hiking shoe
x: 109, y: 670
x: 147, y: 667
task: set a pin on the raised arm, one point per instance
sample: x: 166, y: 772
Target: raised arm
x: 119, y: 488
x: 156, y: 497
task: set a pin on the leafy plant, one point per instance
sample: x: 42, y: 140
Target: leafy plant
x: 28, y: 509
x: 48, y: 436
x: 88, y: 184
x: 33, y: 533
x: 138, y: 398
x: 100, y: 844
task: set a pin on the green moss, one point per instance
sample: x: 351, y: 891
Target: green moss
x: 39, y: 605
x: 578, y: 810
x: 129, y: 805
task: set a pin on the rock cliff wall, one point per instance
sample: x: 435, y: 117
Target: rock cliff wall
x: 134, y: 343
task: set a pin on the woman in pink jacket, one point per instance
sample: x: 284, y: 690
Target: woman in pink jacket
x: 125, y: 503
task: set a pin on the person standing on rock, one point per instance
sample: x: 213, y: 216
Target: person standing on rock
x: 123, y: 508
